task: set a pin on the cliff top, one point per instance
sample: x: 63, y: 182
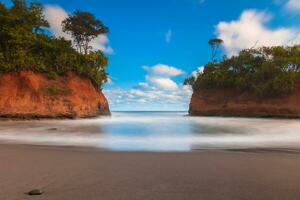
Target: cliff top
x: 265, y: 72
x: 24, y: 44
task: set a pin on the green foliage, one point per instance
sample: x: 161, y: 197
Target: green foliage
x: 190, y: 80
x: 56, y: 91
x: 267, y: 71
x: 52, y: 76
x: 25, y: 46
x: 215, y: 44
x: 83, y: 27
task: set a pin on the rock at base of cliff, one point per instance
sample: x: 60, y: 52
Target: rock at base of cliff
x: 243, y: 104
x: 28, y: 95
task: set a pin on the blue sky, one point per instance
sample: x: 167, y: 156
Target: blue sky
x: 153, y: 45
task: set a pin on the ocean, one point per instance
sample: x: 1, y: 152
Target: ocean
x: 156, y: 132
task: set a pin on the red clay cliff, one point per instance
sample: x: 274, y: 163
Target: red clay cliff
x: 34, y: 95
x: 244, y: 104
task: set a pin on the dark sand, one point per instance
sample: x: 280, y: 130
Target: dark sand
x: 74, y: 173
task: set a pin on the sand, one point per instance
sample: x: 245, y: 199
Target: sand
x: 78, y: 173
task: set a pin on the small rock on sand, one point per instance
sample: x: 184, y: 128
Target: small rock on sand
x: 35, y: 192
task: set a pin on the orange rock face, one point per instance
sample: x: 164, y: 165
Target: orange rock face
x: 233, y: 103
x: 33, y: 95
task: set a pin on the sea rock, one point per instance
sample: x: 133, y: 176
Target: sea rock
x: 30, y: 95
x: 244, y: 104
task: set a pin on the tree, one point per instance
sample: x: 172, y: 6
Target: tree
x: 24, y: 46
x: 36, y: 18
x: 265, y: 72
x: 215, y: 44
x: 84, y: 27
x: 19, y: 6
x: 190, y: 81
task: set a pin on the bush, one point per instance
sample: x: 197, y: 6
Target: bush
x: 267, y: 71
x: 52, y: 76
x: 24, y: 46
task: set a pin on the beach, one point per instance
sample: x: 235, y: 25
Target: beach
x: 71, y: 173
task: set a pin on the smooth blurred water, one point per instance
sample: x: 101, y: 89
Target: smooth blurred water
x: 155, y: 131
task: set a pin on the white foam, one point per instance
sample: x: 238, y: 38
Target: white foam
x: 155, y: 132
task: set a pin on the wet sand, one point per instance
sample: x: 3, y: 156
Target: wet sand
x: 78, y: 173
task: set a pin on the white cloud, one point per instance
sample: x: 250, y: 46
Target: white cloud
x: 101, y: 43
x: 198, y: 71
x: 164, y: 70
x: 251, y: 30
x: 157, y: 92
x: 168, y: 36
x: 143, y: 85
x: 149, y: 99
x: 293, y: 5
x: 109, y: 80
x: 162, y: 82
x: 160, y: 76
x: 56, y: 14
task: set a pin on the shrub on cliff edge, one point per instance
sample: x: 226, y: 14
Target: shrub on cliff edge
x: 24, y: 45
x: 266, y: 71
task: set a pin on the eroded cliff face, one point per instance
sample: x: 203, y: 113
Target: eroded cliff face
x: 233, y: 103
x: 33, y: 95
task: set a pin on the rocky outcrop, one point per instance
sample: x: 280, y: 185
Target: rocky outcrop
x: 245, y: 104
x: 33, y: 95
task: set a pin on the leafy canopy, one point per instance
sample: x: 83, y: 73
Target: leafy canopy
x: 83, y: 27
x: 266, y: 71
x: 215, y: 45
x: 25, y: 46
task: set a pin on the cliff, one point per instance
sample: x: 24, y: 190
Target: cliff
x: 34, y: 95
x: 245, y: 104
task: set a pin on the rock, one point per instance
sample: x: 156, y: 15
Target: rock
x: 30, y: 95
x: 52, y: 129
x: 35, y: 192
x: 226, y: 102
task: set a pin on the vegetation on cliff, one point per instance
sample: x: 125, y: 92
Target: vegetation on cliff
x: 266, y: 71
x: 25, y: 44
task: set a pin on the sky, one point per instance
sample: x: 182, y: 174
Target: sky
x: 153, y: 45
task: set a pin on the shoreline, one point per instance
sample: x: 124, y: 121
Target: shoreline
x: 40, y: 118
x: 64, y: 118
x: 255, y: 150
x: 89, y: 173
x: 245, y: 116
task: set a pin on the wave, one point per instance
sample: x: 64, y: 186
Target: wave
x: 142, y: 131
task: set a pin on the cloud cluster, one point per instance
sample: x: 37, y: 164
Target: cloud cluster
x: 160, y: 75
x: 164, y: 70
x: 148, y: 99
x: 158, y: 92
x: 251, y: 30
x: 293, y: 5
x: 56, y: 14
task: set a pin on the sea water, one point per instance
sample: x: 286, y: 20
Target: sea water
x: 155, y: 131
